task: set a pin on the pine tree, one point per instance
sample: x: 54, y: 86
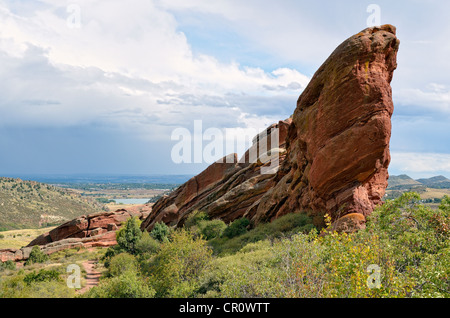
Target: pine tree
x: 129, y: 235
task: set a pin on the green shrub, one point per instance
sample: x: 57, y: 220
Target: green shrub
x: 8, y: 265
x: 267, y: 269
x: 42, y: 276
x: 212, y: 229
x: 147, y: 245
x: 195, y: 218
x: 36, y: 256
x: 284, y: 226
x: 128, y: 236
x: 445, y: 204
x: 408, y: 242
x: 417, y: 241
x: 236, y: 228
x: 110, y: 253
x: 160, y: 232
x: 121, y: 263
x: 129, y: 284
x: 174, y: 271
x: 15, y: 287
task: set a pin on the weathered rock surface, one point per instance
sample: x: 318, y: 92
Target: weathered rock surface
x: 12, y: 254
x: 87, y: 226
x: 338, y: 143
x: 334, y: 154
x: 227, y: 188
x: 93, y: 230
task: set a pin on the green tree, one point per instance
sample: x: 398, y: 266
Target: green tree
x: 160, y: 232
x: 128, y: 236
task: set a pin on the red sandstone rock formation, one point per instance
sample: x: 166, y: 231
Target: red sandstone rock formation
x: 88, y: 226
x: 334, y: 153
x: 226, y: 189
x: 93, y: 230
x: 338, y: 143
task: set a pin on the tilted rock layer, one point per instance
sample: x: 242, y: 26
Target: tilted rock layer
x: 227, y: 188
x: 93, y: 230
x: 334, y: 152
x: 88, y: 226
x: 338, y: 143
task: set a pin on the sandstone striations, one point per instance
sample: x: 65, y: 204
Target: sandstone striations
x: 338, y: 143
x: 334, y: 153
x: 93, y: 230
x: 227, y: 188
x: 92, y: 225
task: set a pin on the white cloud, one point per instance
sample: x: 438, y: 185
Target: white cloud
x: 434, y: 97
x: 290, y: 29
x: 413, y: 162
x: 131, y: 67
x: 127, y: 66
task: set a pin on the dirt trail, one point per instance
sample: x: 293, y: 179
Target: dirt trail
x: 92, y: 276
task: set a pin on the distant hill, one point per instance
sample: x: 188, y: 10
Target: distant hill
x: 439, y: 182
x: 30, y: 204
x: 403, y: 181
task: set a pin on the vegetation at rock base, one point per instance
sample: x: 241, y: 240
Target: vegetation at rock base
x: 403, y: 252
x: 160, y: 232
x: 36, y: 256
x: 236, y: 228
x: 8, y: 265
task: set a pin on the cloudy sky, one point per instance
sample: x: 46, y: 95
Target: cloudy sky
x: 98, y: 86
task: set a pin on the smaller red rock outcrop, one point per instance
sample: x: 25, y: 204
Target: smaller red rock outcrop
x: 93, y: 230
x: 88, y: 226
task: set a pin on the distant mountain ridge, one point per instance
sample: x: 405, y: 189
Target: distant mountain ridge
x: 404, y: 181
x: 31, y: 204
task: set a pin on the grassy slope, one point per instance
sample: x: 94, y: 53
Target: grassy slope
x: 29, y: 204
x: 20, y: 238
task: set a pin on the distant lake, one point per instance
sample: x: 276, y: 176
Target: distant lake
x: 131, y: 201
